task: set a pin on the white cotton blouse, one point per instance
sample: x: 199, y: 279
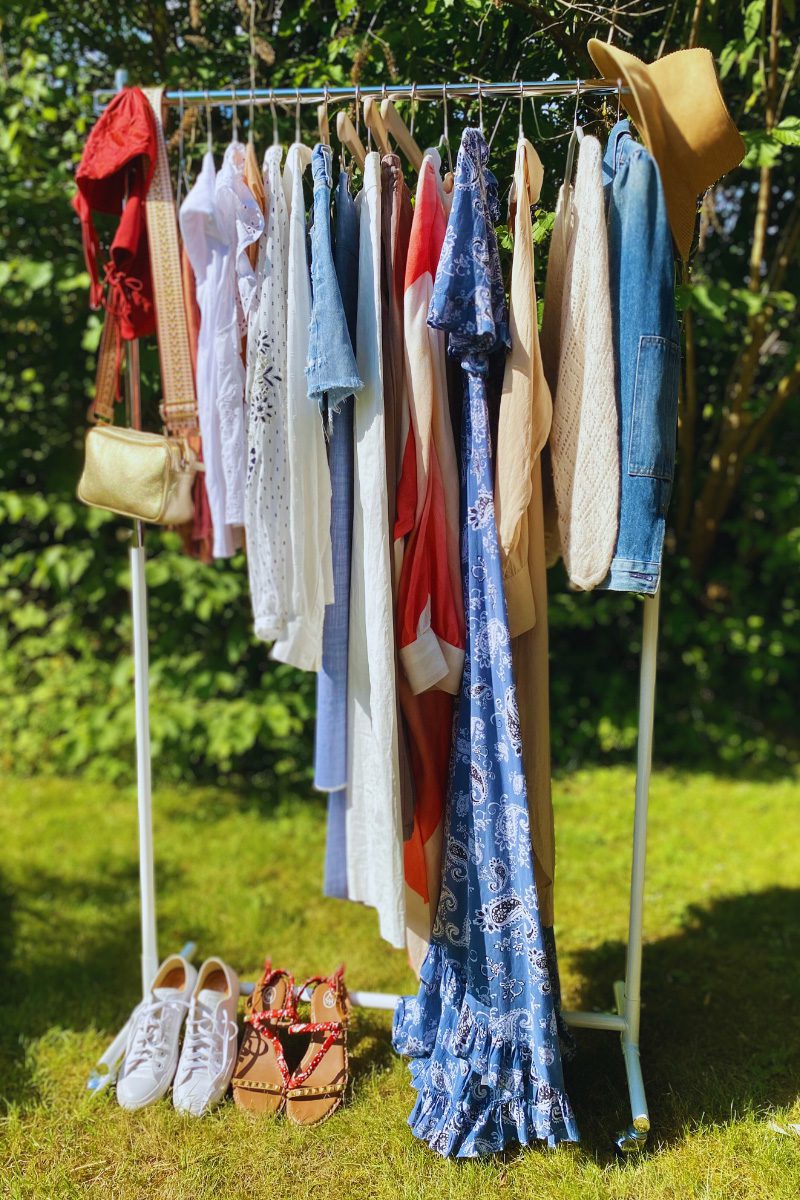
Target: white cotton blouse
x: 241, y: 223
x: 374, y: 820
x: 267, y: 484
x: 311, y: 563
x: 209, y: 253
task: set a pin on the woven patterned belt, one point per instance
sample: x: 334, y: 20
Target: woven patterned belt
x: 179, y: 406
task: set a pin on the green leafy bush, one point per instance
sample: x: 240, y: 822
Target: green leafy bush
x: 730, y: 642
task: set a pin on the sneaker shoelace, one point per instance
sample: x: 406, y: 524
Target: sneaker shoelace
x: 149, y: 1034
x: 205, y: 1039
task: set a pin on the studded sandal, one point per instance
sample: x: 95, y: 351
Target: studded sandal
x: 262, y: 1074
x: 316, y: 1089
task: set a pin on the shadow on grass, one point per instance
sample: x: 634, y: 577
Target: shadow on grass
x: 720, y: 1020
x: 69, y: 959
x: 720, y: 1029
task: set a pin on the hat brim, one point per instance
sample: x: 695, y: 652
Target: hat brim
x: 622, y: 67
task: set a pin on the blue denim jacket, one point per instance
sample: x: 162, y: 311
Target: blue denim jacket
x: 647, y: 355
x: 331, y: 369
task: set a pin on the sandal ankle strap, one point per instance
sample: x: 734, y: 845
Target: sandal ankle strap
x: 317, y: 1027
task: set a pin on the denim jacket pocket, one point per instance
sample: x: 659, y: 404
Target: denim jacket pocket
x: 651, y: 450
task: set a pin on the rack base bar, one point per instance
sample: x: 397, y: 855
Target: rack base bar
x: 635, y: 1135
x: 594, y: 1020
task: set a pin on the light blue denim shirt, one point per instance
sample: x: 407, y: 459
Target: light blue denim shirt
x: 332, y: 377
x: 647, y: 357
x: 331, y: 369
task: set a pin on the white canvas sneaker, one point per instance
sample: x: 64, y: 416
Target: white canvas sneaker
x: 210, y: 1041
x: 151, y: 1054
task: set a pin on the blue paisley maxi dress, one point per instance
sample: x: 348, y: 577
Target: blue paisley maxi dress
x: 482, y: 1032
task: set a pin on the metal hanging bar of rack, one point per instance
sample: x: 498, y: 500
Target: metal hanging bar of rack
x: 627, y: 994
x: 414, y: 91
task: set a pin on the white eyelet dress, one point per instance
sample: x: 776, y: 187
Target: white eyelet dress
x: 267, y: 486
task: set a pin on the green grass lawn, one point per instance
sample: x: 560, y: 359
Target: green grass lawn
x: 720, y: 1024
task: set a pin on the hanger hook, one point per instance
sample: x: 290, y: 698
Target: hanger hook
x: 480, y: 107
x: 252, y: 115
x: 413, y: 108
x: 234, y: 115
x: 181, y: 159
x: 619, y: 98
x: 536, y: 119
x: 275, y: 138
x: 297, y: 114
x: 521, y: 104
x: 209, y: 131
x: 180, y: 121
x: 369, y: 127
x: 358, y: 109
x: 446, y: 130
x: 577, y: 103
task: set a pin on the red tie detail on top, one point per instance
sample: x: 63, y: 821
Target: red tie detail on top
x: 113, y: 177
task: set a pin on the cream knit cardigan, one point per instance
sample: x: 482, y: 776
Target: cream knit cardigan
x: 578, y: 357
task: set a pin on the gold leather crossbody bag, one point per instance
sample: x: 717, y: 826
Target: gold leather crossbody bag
x: 149, y: 476
x: 135, y: 474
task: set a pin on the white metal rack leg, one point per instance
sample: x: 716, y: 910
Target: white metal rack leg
x: 627, y: 992
x: 147, y: 885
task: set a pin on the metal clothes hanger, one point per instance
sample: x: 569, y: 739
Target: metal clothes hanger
x: 209, y: 130
x: 575, y: 137
x: 322, y: 120
x: 276, y: 141
x: 297, y: 130
x: 234, y: 115
x: 444, y: 140
x: 252, y: 115
x: 181, y: 161
x: 512, y: 193
x: 480, y: 107
x: 400, y: 132
x: 374, y: 122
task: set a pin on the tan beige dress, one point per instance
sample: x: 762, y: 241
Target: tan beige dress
x: 525, y: 415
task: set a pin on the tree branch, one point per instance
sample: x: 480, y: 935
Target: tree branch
x: 687, y: 426
x: 765, y: 181
x: 694, y: 28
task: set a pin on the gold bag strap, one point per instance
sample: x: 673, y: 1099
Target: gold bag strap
x: 179, y: 406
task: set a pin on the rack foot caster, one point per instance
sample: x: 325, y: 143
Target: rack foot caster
x: 631, y: 1140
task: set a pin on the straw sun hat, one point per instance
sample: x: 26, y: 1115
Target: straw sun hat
x: 678, y: 108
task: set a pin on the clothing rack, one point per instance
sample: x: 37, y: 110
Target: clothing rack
x: 234, y: 95
x: 624, y: 1019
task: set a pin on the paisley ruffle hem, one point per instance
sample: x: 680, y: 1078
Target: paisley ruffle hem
x: 481, y: 1078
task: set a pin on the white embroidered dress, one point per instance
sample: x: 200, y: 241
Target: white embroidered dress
x: 311, y: 562
x: 374, y: 819
x: 241, y: 223
x: 208, y: 253
x: 267, y: 485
